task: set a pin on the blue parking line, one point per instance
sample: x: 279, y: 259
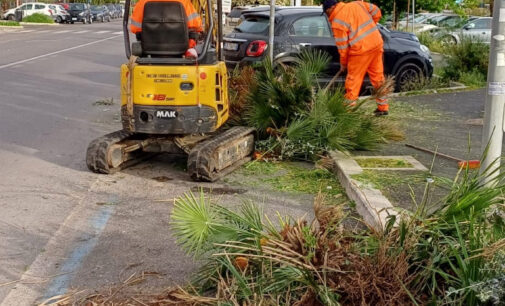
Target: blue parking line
x: 60, y: 284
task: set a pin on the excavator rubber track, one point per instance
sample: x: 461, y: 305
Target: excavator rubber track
x: 98, y: 157
x: 220, y: 154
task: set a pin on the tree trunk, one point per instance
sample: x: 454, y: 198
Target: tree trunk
x: 395, y: 16
x: 491, y: 5
x: 408, y: 16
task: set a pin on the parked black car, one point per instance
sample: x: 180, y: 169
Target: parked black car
x: 100, y: 13
x: 307, y: 27
x: 80, y: 12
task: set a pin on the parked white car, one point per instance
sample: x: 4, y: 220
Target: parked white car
x: 29, y: 9
x: 59, y: 13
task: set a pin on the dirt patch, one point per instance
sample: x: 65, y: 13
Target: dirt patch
x: 162, y: 178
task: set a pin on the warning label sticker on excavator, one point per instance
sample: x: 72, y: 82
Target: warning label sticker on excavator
x: 162, y: 76
x: 496, y: 88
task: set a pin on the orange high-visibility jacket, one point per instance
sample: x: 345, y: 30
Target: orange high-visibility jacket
x: 194, y: 20
x: 354, y: 26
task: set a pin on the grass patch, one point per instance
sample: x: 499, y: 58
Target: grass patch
x: 422, y: 83
x: 401, y: 110
x: 375, y: 162
x: 383, y: 180
x: 293, y: 177
x: 474, y: 79
x: 5, y: 23
x: 38, y: 18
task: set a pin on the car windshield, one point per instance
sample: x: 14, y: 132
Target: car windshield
x: 451, y: 22
x: 436, y: 19
x: 77, y: 6
x: 253, y: 25
x: 421, y: 18
x: 95, y: 8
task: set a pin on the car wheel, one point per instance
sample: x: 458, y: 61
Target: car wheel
x: 90, y: 20
x: 58, y: 19
x: 71, y: 22
x: 108, y: 19
x: 11, y: 17
x: 408, y: 76
x: 449, y: 40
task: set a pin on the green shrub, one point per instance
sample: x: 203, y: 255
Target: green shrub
x: 473, y: 78
x: 467, y: 57
x: 4, y: 23
x: 433, y: 43
x: 38, y: 18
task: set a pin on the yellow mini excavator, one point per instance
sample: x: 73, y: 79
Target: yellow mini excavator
x: 174, y: 104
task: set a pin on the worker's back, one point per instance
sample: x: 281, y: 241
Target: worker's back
x: 359, y: 20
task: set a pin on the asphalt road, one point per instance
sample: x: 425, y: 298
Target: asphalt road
x: 62, y: 227
x: 46, y: 119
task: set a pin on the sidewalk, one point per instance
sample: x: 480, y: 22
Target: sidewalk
x: 449, y: 123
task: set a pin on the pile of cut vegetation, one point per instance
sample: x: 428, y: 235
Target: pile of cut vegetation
x: 448, y: 253
x: 296, y: 117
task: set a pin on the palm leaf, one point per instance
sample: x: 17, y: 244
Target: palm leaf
x: 193, y: 221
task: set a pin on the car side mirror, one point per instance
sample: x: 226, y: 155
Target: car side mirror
x: 469, y: 26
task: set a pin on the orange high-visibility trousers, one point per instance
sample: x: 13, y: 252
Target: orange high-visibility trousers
x: 359, y: 65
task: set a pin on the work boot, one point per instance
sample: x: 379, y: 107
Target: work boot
x: 350, y: 103
x: 378, y: 113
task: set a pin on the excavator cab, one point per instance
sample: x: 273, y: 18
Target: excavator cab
x: 171, y: 103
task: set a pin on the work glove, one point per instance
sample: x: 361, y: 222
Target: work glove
x: 191, y: 53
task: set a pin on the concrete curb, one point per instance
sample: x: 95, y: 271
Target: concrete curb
x: 39, y: 24
x: 371, y: 204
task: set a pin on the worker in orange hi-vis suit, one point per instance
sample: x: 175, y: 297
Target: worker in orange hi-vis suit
x: 194, y: 22
x: 360, y: 46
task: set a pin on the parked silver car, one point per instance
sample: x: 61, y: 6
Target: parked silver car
x: 478, y: 29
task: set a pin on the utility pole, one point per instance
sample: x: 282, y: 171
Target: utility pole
x: 495, y: 99
x: 271, y: 31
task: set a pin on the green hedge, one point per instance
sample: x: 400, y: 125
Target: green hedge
x: 9, y: 23
x: 38, y: 18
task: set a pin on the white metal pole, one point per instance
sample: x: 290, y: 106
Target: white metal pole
x: 495, y: 98
x: 271, y: 31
